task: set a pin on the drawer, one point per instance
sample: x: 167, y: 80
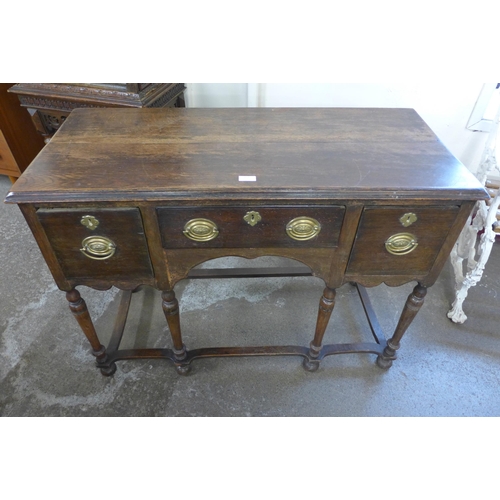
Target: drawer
x: 98, y: 243
x: 401, y: 241
x: 251, y: 227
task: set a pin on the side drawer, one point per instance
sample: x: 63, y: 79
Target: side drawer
x: 251, y: 227
x: 390, y: 241
x: 98, y: 243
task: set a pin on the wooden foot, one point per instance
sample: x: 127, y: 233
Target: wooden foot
x: 413, y: 304
x: 183, y: 369
x: 170, y: 307
x: 384, y: 361
x: 108, y: 371
x: 310, y: 365
x: 326, y: 305
x: 79, y: 309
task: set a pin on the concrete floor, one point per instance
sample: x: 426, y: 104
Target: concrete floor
x: 443, y: 369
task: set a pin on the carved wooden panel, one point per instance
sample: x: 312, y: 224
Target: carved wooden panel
x: 51, y: 103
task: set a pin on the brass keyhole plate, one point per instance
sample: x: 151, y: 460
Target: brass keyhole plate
x: 89, y: 221
x: 408, y: 219
x: 252, y: 218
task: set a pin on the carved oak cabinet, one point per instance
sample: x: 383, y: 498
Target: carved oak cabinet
x: 131, y: 197
x: 49, y: 104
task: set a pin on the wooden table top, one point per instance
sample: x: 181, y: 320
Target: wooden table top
x: 335, y: 153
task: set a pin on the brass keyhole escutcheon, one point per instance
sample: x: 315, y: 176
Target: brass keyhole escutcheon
x: 401, y: 243
x: 201, y: 230
x: 303, y: 228
x: 408, y: 219
x: 89, y: 221
x: 98, y: 247
x: 252, y: 218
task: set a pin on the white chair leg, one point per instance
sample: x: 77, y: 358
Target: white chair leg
x: 456, y: 313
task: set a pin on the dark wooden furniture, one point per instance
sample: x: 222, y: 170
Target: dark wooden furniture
x: 49, y: 104
x: 362, y: 196
x: 19, y: 142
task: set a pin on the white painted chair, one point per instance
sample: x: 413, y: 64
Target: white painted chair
x: 485, y: 217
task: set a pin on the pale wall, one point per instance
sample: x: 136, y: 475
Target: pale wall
x: 445, y: 107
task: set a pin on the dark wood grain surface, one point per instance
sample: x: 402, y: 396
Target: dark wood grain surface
x: 293, y: 152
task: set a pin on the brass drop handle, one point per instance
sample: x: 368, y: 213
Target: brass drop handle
x: 98, y: 247
x: 401, y: 243
x: 201, y: 230
x: 303, y: 228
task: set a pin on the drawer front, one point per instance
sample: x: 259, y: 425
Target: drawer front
x: 400, y: 241
x: 251, y: 227
x: 98, y: 243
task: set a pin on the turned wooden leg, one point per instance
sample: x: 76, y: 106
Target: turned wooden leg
x: 326, y: 305
x: 170, y: 307
x: 79, y: 309
x: 413, y: 304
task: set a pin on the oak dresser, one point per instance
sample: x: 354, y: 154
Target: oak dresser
x: 134, y: 197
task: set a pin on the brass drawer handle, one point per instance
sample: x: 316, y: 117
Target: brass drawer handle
x: 201, y: 230
x: 401, y: 243
x: 303, y: 228
x: 98, y: 247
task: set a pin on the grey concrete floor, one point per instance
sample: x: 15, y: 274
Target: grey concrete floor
x: 443, y: 369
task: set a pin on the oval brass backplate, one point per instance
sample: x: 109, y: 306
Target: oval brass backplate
x: 303, y: 228
x: 98, y: 247
x: 201, y: 230
x: 401, y: 243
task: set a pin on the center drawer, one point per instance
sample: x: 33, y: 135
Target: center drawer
x: 251, y: 227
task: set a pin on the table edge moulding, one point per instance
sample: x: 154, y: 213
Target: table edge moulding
x: 141, y: 197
